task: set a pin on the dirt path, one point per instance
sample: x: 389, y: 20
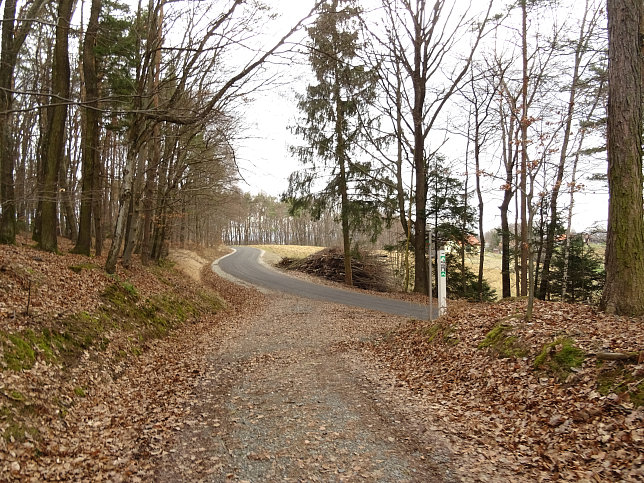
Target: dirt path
x: 285, y: 397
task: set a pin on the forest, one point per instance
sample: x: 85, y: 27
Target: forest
x: 137, y: 345
x: 120, y: 125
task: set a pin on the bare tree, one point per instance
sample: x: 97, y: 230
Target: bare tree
x: 12, y: 40
x: 54, y: 139
x: 89, y: 208
x: 589, y: 24
x: 420, y: 39
x: 188, y: 75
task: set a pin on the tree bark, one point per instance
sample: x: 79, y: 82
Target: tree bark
x: 624, y: 288
x: 12, y: 40
x: 8, y: 60
x: 54, y: 142
x: 524, y: 153
x: 508, y: 193
x: 344, y: 196
x: 420, y: 199
x: 124, y: 202
x: 90, y: 133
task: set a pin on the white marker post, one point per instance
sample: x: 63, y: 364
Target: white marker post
x: 442, y: 283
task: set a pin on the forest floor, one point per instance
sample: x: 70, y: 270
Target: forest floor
x: 152, y: 375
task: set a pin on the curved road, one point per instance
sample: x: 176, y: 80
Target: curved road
x: 245, y: 265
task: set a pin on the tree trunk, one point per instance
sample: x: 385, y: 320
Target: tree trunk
x: 624, y: 289
x: 97, y: 207
x: 524, y: 153
x: 12, y: 40
x: 90, y: 134
x: 8, y: 59
x: 505, y: 224
x: 124, y: 203
x: 67, y: 201
x: 340, y: 155
x: 420, y: 200
x: 154, y: 152
x: 479, y: 194
x: 54, y: 143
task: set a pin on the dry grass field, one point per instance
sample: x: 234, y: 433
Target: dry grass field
x: 491, y: 271
x: 274, y: 253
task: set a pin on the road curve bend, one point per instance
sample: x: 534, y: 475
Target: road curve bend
x: 244, y: 264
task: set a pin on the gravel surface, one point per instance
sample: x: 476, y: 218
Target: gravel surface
x: 285, y: 396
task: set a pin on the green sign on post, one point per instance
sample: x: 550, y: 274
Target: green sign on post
x: 443, y: 265
x: 442, y: 284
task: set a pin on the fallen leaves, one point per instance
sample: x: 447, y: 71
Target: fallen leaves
x: 107, y: 414
x: 572, y: 428
x: 110, y: 414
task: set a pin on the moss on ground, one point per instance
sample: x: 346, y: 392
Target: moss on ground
x: 122, y: 309
x: 502, y: 342
x: 560, y: 357
x: 620, y: 378
x: 15, y: 413
x: 78, y: 268
x: 20, y: 350
x: 441, y: 332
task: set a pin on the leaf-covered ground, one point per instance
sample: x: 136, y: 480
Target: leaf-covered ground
x: 152, y: 375
x: 530, y: 396
x: 69, y: 335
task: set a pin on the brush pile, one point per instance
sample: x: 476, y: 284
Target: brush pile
x: 369, y: 271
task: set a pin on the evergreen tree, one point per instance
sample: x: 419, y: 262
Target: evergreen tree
x: 451, y: 218
x: 335, y: 109
x: 463, y: 283
x: 585, y: 272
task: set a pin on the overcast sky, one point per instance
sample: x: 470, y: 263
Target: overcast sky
x: 262, y: 153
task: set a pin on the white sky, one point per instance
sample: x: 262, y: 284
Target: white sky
x: 263, y: 156
x: 264, y: 159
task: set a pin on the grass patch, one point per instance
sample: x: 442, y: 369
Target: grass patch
x: 503, y: 343
x: 80, y: 391
x: 290, y: 251
x: 560, y: 357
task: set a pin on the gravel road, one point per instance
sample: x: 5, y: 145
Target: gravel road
x: 287, y: 396
x: 244, y: 264
x: 285, y: 392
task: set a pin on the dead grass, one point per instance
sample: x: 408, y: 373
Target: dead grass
x: 491, y: 271
x: 290, y: 251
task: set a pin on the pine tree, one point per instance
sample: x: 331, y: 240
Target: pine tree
x: 335, y: 108
x: 585, y: 279
x: 624, y: 289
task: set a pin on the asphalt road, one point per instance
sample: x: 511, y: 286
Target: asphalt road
x: 244, y: 264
